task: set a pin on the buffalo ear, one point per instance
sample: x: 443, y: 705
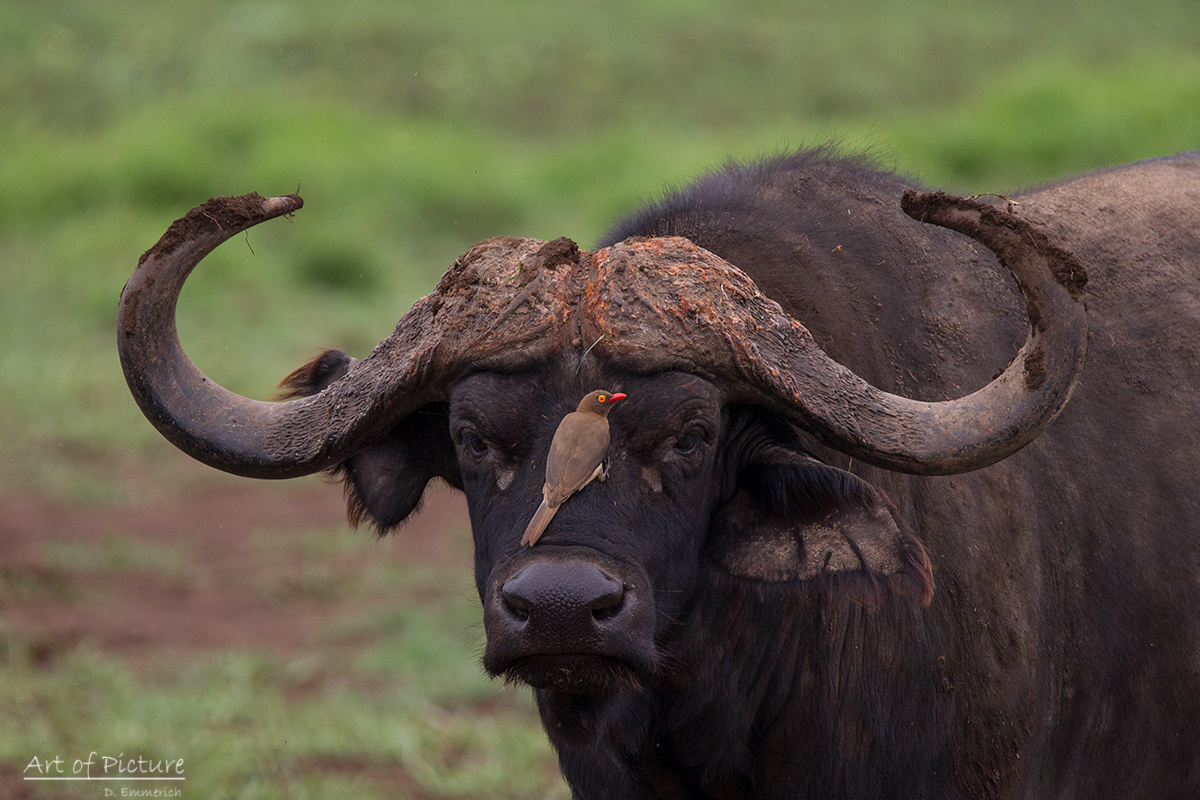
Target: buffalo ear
x: 386, y: 479
x: 794, y: 518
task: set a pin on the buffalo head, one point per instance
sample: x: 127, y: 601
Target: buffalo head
x: 713, y: 455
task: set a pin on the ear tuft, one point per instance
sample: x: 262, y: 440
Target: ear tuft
x: 316, y: 375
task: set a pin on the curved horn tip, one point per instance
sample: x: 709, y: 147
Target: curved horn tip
x: 275, y: 206
x: 946, y: 210
x: 220, y: 218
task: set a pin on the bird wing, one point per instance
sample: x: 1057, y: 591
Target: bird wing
x: 576, y: 451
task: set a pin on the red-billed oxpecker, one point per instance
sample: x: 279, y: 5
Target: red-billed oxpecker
x: 576, y: 457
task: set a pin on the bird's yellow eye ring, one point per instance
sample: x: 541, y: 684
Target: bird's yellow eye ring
x: 601, y: 398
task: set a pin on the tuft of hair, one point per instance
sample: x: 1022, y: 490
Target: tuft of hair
x: 915, y: 581
x: 314, y: 376
x: 383, y: 520
x: 387, y: 512
x: 356, y: 508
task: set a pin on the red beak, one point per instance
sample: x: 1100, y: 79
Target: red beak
x: 612, y: 398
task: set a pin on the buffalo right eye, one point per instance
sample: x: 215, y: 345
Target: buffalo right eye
x: 473, y: 444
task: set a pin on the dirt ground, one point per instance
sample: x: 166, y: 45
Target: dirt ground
x: 215, y: 569
x: 215, y: 601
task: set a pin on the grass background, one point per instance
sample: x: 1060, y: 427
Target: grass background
x: 413, y: 130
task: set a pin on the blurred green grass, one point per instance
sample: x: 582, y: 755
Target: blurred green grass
x: 414, y: 130
x: 386, y: 699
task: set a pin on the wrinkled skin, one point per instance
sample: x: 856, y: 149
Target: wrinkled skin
x: 740, y: 611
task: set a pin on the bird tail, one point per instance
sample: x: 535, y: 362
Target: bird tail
x: 537, y: 525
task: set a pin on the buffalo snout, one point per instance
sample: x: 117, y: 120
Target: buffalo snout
x: 568, y: 624
x: 567, y: 601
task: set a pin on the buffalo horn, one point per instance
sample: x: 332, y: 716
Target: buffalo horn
x: 681, y: 307
x: 650, y: 304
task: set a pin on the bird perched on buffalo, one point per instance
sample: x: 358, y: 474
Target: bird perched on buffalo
x: 576, y: 457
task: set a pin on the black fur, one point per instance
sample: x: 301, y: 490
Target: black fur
x: 796, y: 650
x: 726, y: 208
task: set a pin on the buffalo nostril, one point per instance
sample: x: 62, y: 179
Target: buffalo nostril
x: 516, y: 605
x: 609, y: 605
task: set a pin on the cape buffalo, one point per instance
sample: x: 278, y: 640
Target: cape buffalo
x: 818, y: 566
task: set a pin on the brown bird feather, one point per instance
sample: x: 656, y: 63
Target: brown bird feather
x: 576, y: 458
